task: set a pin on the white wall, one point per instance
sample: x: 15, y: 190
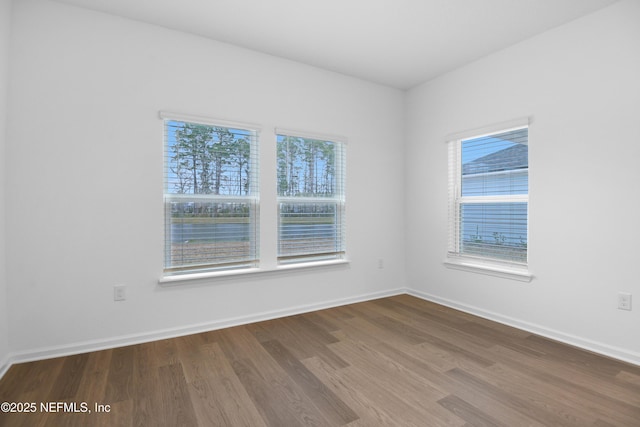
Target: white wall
x: 83, y: 188
x: 5, y: 25
x: 84, y: 167
x: 580, y: 84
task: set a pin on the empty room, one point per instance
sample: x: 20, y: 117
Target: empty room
x: 319, y: 213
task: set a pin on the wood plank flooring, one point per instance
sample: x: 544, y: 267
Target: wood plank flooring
x: 397, y: 361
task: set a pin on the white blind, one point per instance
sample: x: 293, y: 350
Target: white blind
x: 311, y: 199
x: 489, y: 196
x: 210, y: 196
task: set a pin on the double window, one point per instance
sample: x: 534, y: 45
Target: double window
x: 489, y: 198
x: 211, y: 198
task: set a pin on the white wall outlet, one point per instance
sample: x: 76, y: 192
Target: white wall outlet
x: 624, y: 301
x: 119, y: 293
x: 380, y: 263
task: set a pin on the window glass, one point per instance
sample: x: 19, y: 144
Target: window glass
x: 211, y: 204
x: 311, y: 199
x: 489, y: 187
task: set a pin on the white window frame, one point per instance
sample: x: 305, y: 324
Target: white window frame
x: 478, y: 264
x: 171, y: 273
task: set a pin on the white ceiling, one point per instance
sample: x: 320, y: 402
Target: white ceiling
x: 399, y: 43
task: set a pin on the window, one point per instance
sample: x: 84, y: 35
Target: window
x: 311, y: 198
x: 210, y: 195
x: 489, y: 198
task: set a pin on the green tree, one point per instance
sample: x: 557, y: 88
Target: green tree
x: 310, y: 158
x: 219, y: 157
x: 191, y: 157
x: 239, y: 161
x: 210, y: 160
x: 328, y: 156
x: 289, y: 151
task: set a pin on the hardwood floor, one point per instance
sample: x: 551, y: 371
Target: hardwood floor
x: 397, y: 361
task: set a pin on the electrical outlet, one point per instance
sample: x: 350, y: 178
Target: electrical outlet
x: 119, y: 293
x: 380, y: 263
x: 624, y: 301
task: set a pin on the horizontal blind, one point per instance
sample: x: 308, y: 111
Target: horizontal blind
x: 488, y: 190
x: 210, y: 196
x: 311, y: 199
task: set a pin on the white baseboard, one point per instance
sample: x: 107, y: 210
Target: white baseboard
x: 96, y: 345
x: 5, y: 364
x: 593, y: 346
x: 120, y: 341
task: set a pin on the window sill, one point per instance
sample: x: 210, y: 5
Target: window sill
x: 492, y: 269
x: 169, y: 280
